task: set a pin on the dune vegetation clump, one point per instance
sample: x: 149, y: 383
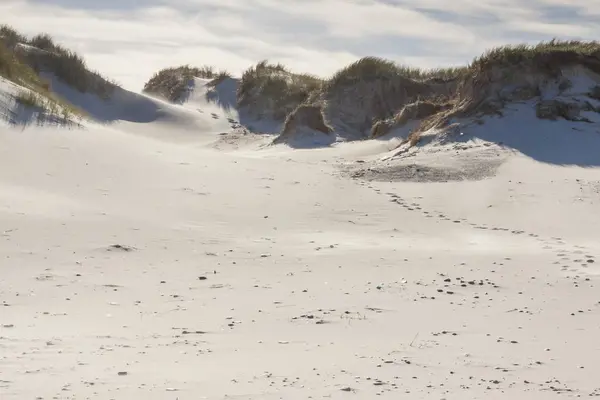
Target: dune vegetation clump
x: 44, y: 56
x: 548, y: 55
x: 22, y: 63
x: 373, y: 96
x: 369, y: 69
x: 36, y: 92
x: 518, y: 73
x: 10, y: 37
x: 271, y: 90
x: 361, y: 95
x: 12, y: 69
x: 173, y: 83
x: 29, y: 99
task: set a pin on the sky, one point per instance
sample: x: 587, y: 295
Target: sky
x: 129, y: 40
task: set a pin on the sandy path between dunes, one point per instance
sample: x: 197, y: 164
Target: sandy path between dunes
x: 133, y: 268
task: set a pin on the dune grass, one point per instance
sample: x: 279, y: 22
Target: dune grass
x: 14, y: 70
x: 562, y: 50
x: 48, y: 56
x: 10, y: 36
x: 70, y: 67
x: 545, y: 59
x: 375, y: 68
x: 171, y: 83
x: 262, y: 82
x: 289, y: 90
x: 271, y: 89
x: 277, y: 81
x: 548, y: 58
x: 23, y: 60
x: 36, y: 92
x: 284, y: 90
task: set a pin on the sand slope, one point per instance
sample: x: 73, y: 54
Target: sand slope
x: 139, y: 262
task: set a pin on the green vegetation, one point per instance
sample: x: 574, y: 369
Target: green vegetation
x: 37, y: 91
x: 22, y: 60
x: 16, y: 71
x: 42, y: 54
x: 67, y: 66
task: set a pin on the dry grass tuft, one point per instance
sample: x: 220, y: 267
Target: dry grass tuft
x: 414, y: 138
x: 29, y: 98
x: 172, y: 83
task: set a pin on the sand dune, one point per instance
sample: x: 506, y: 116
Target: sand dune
x: 135, y: 266
x: 141, y: 260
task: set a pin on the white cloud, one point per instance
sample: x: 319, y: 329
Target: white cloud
x: 129, y: 39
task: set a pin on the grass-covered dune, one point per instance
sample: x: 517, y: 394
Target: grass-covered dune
x: 373, y: 96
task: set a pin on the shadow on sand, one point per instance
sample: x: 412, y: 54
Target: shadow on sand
x: 559, y: 142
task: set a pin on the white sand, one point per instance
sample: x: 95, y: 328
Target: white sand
x: 317, y: 285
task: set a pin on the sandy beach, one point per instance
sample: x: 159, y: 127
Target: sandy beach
x: 134, y: 267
